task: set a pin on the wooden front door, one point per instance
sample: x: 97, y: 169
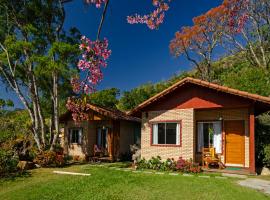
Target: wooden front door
x: 235, y: 142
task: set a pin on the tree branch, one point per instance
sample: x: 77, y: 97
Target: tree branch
x: 102, y: 18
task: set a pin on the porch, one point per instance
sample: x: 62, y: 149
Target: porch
x: 229, y: 133
x: 104, y: 136
x: 230, y: 170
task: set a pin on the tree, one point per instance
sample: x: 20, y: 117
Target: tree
x: 247, y: 29
x: 131, y: 99
x: 198, y: 42
x: 106, y: 98
x: 35, y: 55
x: 6, y: 103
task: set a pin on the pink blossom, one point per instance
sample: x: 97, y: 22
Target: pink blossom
x: 97, y: 3
x: 155, y: 18
x: 94, y: 56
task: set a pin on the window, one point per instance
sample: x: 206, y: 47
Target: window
x: 102, y: 138
x: 166, y: 133
x: 75, y: 135
x: 209, y: 134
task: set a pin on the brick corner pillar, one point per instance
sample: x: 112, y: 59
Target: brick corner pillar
x: 252, y: 141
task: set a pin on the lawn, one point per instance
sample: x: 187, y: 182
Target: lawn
x: 107, y: 183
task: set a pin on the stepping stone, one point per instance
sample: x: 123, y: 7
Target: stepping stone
x: 126, y: 170
x: 204, y: 176
x: 136, y: 171
x: 71, y: 173
x: 118, y: 169
x: 173, y: 174
x: 112, y: 167
x: 160, y: 173
x: 189, y: 175
x: 220, y: 177
x: 255, y: 183
x: 234, y: 175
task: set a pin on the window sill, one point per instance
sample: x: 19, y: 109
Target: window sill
x: 166, y: 145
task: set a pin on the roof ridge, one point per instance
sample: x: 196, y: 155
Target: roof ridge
x: 203, y: 83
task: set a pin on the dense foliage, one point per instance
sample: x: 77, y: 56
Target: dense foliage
x: 107, y: 98
x: 8, y: 162
x: 13, y: 124
x: 266, y: 159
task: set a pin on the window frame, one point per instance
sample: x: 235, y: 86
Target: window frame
x: 166, y: 121
x: 79, y: 139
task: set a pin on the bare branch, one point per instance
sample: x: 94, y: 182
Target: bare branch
x: 102, y: 18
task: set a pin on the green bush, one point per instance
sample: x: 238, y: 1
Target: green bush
x: 50, y: 159
x: 266, y: 159
x: 181, y: 165
x: 8, y: 163
x: 262, y: 135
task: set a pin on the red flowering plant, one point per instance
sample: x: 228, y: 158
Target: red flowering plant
x: 155, y: 18
x: 187, y: 166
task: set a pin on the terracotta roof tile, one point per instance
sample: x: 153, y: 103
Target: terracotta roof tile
x: 108, y: 112
x: 214, y: 86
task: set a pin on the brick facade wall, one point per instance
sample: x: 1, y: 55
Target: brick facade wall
x: 189, y: 117
x: 186, y: 150
x: 227, y: 114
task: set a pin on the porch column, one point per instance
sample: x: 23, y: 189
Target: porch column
x: 252, y: 141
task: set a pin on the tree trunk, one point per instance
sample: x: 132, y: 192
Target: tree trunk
x: 55, y: 110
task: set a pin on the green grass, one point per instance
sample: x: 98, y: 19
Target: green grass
x: 107, y: 183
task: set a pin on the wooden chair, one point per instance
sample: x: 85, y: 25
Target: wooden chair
x: 97, y: 150
x: 209, y: 157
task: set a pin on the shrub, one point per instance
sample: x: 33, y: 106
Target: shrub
x: 169, y: 165
x: 187, y: 166
x: 266, y: 159
x: 155, y: 163
x: 50, y: 159
x: 8, y: 162
x: 142, y: 164
x: 181, y: 165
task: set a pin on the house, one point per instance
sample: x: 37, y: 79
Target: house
x: 108, y: 131
x: 193, y: 114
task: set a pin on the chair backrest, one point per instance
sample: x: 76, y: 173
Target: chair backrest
x: 206, y: 152
x: 213, y: 152
x: 96, y: 149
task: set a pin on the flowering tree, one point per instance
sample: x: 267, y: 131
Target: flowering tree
x: 155, y: 18
x: 95, y: 54
x: 198, y: 42
x: 247, y: 29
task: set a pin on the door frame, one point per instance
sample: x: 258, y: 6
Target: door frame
x: 225, y: 144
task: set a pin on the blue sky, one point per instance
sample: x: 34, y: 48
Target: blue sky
x: 139, y: 55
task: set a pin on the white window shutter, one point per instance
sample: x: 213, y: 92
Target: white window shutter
x: 217, y: 137
x: 155, y: 133
x: 80, y: 136
x: 178, y: 134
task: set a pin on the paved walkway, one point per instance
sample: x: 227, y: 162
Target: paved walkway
x: 257, y: 184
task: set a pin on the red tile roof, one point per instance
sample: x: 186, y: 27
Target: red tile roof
x: 214, y: 86
x: 108, y: 112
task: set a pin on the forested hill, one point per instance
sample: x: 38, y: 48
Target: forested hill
x: 232, y: 71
